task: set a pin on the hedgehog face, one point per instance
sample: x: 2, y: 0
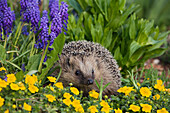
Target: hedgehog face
x: 78, y: 70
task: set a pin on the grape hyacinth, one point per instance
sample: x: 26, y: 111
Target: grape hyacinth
x: 43, y: 36
x: 59, y: 17
x: 54, y: 8
x: 25, y: 31
x: 64, y: 14
x: 23, y: 4
x: 32, y: 14
x: 7, y: 17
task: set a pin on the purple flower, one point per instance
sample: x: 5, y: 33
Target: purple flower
x: 1, y: 21
x: 32, y: 14
x: 54, y: 8
x: 8, y: 19
x: 3, y: 5
x: 23, y: 4
x: 64, y: 14
x: 25, y: 31
x: 43, y: 36
x: 56, y: 25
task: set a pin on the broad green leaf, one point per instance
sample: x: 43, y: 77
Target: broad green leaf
x: 82, y: 3
x: 2, y: 54
x: 132, y: 29
x: 53, y: 55
x: 33, y: 62
x: 74, y: 4
x: 142, y: 38
x: 20, y: 76
x: 32, y: 72
x: 137, y: 55
x: 154, y: 53
x: 117, y: 54
x: 133, y: 47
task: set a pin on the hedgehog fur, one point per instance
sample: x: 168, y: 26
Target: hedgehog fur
x: 83, y: 62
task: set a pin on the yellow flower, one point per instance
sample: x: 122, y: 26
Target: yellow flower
x: 93, y: 94
x: 93, y: 109
x: 163, y: 110
x: 67, y: 95
x: 118, y: 110
x: 159, y: 87
x: 157, y: 97
x: 21, y: 86
x: 134, y: 108
x: 11, y: 78
x: 2, y: 68
x: 125, y: 90
x: 31, y: 79
x: 14, y: 86
x: 75, y: 103
x: 14, y: 106
x: 79, y: 109
x: 59, y: 85
x: 52, y: 79
x: 52, y: 89
x: 3, y: 83
x: 159, y: 82
x: 103, y: 103
x: 146, y: 107
x: 7, y: 111
x: 51, y: 98
x: 27, y: 107
x: 106, y: 109
x: 145, y: 91
x: 67, y: 101
x: 1, y: 101
x: 0, y: 89
x: 138, y: 84
x: 147, y: 78
x: 74, y: 90
x: 33, y: 89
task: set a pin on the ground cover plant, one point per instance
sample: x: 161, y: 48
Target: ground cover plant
x: 33, y: 33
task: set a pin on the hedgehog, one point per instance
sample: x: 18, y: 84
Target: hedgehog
x: 83, y: 62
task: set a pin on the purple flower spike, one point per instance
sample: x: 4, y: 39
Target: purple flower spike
x: 56, y: 25
x: 8, y: 19
x: 3, y: 5
x: 54, y: 8
x: 64, y: 14
x: 32, y: 14
x: 43, y: 36
x: 23, y: 4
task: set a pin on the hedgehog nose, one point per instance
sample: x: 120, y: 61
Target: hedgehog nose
x: 90, y: 81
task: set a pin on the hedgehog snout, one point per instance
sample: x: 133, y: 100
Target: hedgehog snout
x: 90, y: 81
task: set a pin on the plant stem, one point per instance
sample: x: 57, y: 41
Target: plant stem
x: 5, y: 42
x: 32, y: 48
x: 43, y: 56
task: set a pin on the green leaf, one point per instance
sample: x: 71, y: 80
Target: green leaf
x: 33, y: 62
x: 133, y: 47
x: 20, y: 76
x: 53, y: 55
x: 137, y: 55
x: 97, y: 84
x: 32, y: 72
x: 2, y: 54
x: 132, y: 29
x: 154, y: 53
x: 117, y: 54
x: 74, y: 4
x: 106, y: 85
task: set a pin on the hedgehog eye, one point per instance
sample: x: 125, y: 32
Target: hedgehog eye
x: 92, y: 73
x: 77, y: 72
